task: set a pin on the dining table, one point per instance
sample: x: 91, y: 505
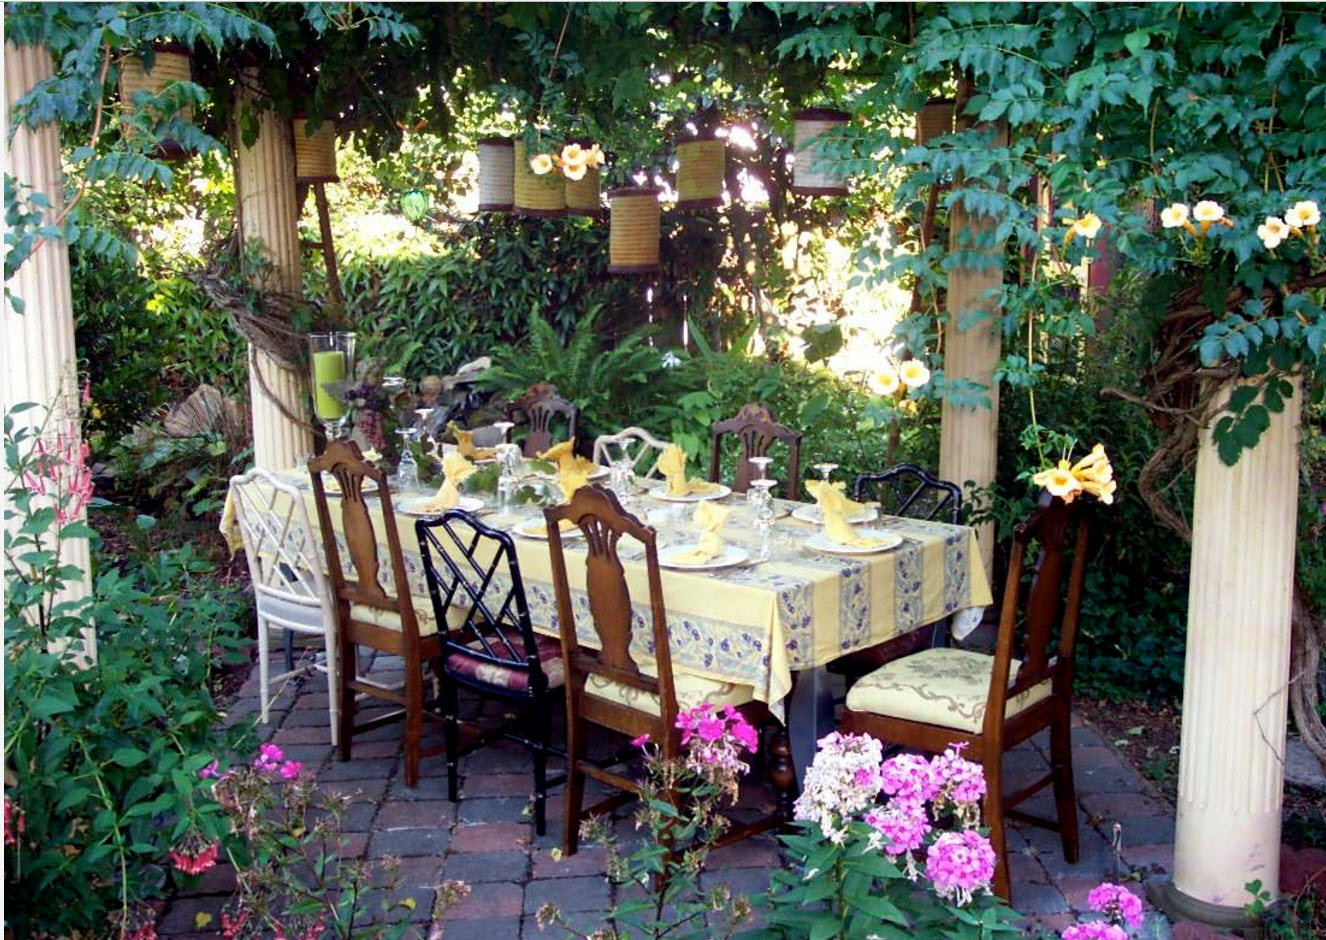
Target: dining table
x: 773, y: 621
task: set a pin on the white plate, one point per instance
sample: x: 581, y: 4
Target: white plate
x: 414, y: 506
x: 661, y: 492
x: 534, y: 529
x: 822, y: 543
x: 811, y: 514
x: 732, y: 555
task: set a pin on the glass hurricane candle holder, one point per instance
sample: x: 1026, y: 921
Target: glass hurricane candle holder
x: 331, y: 363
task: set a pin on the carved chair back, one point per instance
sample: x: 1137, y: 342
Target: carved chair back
x: 361, y: 585
x: 541, y: 406
x: 909, y: 490
x: 754, y: 426
x: 600, y: 517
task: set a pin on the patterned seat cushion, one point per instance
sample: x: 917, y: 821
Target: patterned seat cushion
x: 390, y: 621
x: 945, y: 687
x: 691, y: 691
x: 510, y: 678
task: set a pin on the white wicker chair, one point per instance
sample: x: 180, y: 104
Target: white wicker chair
x: 636, y: 443
x: 289, y: 587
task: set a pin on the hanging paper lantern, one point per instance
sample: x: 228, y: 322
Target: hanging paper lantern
x: 935, y: 119
x: 813, y: 175
x: 414, y: 203
x: 700, y: 168
x: 542, y: 195
x: 634, y: 230
x: 582, y: 195
x: 315, y: 154
x: 171, y: 63
x: 496, y: 174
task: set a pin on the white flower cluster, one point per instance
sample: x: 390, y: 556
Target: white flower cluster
x: 843, y: 781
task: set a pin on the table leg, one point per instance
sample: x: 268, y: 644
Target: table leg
x: 809, y: 714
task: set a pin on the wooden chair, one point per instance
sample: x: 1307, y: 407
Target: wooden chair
x: 608, y: 686
x: 491, y: 648
x: 756, y: 428
x: 639, y: 445
x: 909, y: 490
x: 939, y: 697
x: 290, y: 592
x: 367, y: 613
x: 539, y: 407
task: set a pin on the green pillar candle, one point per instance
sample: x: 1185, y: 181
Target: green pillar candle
x: 328, y: 366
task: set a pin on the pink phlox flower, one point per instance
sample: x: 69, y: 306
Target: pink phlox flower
x: 291, y: 769
x: 711, y: 728
x: 269, y: 758
x: 1094, y: 930
x: 746, y: 734
x: 957, y: 779
x: 908, y: 777
x: 1117, y: 903
x: 640, y: 741
x: 211, y: 770
x: 959, y: 864
x: 842, y: 782
x: 904, y: 827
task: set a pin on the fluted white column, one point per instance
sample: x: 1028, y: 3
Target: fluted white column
x: 40, y: 361
x: 268, y: 213
x: 1236, y: 671
x: 968, y: 436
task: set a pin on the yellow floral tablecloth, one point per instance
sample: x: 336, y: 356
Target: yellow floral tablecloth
x: 752, y: 625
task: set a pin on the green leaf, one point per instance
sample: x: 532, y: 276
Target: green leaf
x: 128, y: 756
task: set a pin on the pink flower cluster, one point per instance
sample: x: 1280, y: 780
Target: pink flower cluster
x: 1094, y: 930
x: 61, y: 469
x: 1117, y: 903
x: 843, y: 781
x: 904, y: 828
x: 271, y: 759
x: 959, y: 782
x: 714, y: 739
x: 959, y: 864
x: 195, y: 861
x: 15, y: 823
x: 909, y: 779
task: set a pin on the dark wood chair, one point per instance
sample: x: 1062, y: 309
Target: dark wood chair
x: 909, y: 490
x: 539, y: 408
x: 488, y: 643
x: 755, y: 427
x: 367, y: 612
x: 939, y: 697
x: 608, y: 686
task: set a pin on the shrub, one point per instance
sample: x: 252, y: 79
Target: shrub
x: 102, y: 758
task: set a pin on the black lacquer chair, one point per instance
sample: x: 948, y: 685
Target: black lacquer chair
x: 912, y: 491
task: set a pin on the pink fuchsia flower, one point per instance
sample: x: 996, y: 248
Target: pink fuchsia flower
x: 195, y: 861
x: 269, y: 758
x: 15, y: 823
x: 1094, y: 930
x: 1117, y: 903
x: 908, y: 778
x: 959, y: 864
x: 291, y: 769
x: 210, y: 771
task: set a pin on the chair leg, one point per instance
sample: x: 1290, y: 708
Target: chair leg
x: 783, y: 773
x: 290, y: 651
x: 1065, y: 795
x: 575, y: 782
x: 994, y: 820
x: 541, y: 734
x: 414, y: 718
x: 264, y: 670
x: 450, y: 724
x: 349, y: 656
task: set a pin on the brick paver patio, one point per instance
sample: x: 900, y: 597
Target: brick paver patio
x: 488, y: 840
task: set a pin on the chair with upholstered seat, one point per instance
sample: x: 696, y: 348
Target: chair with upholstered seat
x: 618, y: 686
x: 634, y: 444
x: 754, y: 426
x: 373, y: 605
x: 939, y: 697
x: 488, y: 643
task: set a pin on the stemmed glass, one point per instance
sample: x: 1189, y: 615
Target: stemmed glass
x: 762, y: 491
x: 407, y: 470
x: 508, y: 481
x: 505, y: 428
x: 824, y: 470
x: 331, y: 361
x: 761, y: 465
x: 622, y: 473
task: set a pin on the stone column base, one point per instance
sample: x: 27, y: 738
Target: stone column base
x: 1180, y: 906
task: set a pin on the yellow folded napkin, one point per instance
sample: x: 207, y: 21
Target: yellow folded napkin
x: 672, y: 464
x: 565, y: 525
x: 455, y: 469
x: 372, y: 456
x: 465, y: 444
x: 710, y: 517
x: 559, y: 453
x: 572, y: 475
x: 835, y: 508
x: 230, y: 525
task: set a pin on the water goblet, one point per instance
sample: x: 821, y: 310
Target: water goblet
x: 407, y: 470
x: 761, y: 465
x: 505, y: 428
x: 764, y: 514
x: 508, y: 480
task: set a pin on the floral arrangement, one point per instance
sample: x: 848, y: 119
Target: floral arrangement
x: 1092, y: 475
x: 574, y: 161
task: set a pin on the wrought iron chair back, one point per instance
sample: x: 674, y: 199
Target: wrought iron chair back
x: 909, y: 490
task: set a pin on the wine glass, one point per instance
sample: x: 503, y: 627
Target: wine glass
x: 761, y: 465
x: 824, y: 470
x: 508, y: 481
x: 764, y: 514
x: 505, y: 428
x: 407, y: 470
